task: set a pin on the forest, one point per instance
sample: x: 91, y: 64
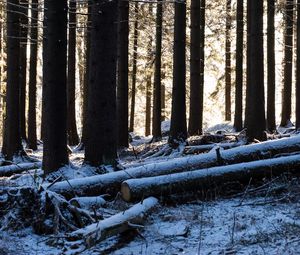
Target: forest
x: 149, y: 127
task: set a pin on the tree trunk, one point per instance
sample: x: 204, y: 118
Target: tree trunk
x: 18, y: 168
x: 256, y: 111
x: 54, y: 86
x: 86, y: 78
x: 228, y: 62
x: 238, y: 115
x: 271, y: 122
x: 110, y: 183
x: 157, y: 103
x: 115, y: 224
x: 148, y: 103
x: 32, y: 137
x: 71, y: 117
x: 178, y: 130
x: 101, y: 145
x: 122, y: 86
x: 288, y: 64
x: 134, y: 67
x: 12, y: 138
x: 196, y: 90
x: 298, y: 68
x: 24, y: 22
x: 211, y: 178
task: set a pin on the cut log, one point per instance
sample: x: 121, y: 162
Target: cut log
x: 201, y: 180
x: 115, y: 224
x: 207, y: 147
x: 18, y: 168
x: 110, y: 183
x: 88, y: 203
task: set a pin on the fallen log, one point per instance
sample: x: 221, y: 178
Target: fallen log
x: 201, y: 180
x: 110, y: 182
x: 115, y: 224
x: 207, y: 147
x: 18, y: 168
x: 88, y: 203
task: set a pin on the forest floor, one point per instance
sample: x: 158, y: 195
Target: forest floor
x: 264, y: 219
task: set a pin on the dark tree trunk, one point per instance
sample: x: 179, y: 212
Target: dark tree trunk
x: 122, y: 86
x: 157, y: 103
x: 288, y: 64
x: 71, y: 117
x: 271, y: 122
x: 256, y: 112
x: 12, y: 139
x: 134, y: 67
x: 23, y: 64
x: 54, y: 85
x: 178, y: 130
x: 298, y: 68
x: 1, y: 55
x: 101, y: 145
x: 86, y: 78
x: 32, y: 137
x: 148, y: 104
x: 238, y: 115
x: 196, y: 85
x: 228, y: 62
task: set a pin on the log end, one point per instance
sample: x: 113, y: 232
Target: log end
x: 125, y: 192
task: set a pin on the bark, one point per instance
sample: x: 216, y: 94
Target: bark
x: 148, y: 103
x: 54, y: 86
x: 178, y: 129
x: 88, y: 203
x: 196, y: 88
x: 101, y: 145
x: 207, y: 179
x: 18, y: 168
x: 228, y: 62
x: 256, y: 105
x: 238, y: 115
x: 110, y: 183
x: 24, y: 22
x: 298, y: 68
x: 122, y: 86
x: 12, y: 138
x: 157, y: 98
x: 115, y: 224
x: 73, y: 138
x: 134, y: 66
x: 86, y: 78
x: 271, y: 121
x: 1, y: 56
x: 288, y: 64
x: 32, y: 136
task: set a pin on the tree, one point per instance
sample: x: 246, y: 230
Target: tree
x: 101, y: 144
x: 134, y: 65
x: 271, y: 121
x: 238, y: 116
x: 255, y: 81
x: 32, y: 137
x: 54, y: 85
x: 178, y: 129
x: 197, y: 66
x: 12, y: 138
x: 228, y: 62
x: 298, y: 68
x: 157, y: 102
x: 71, y: 78
x: 24, y: 22
x: 122, y: 86
x: 288, y: 64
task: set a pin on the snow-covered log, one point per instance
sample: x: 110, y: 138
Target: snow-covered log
x: 18, y: 168
x: 110, y: 182
x: 201, y: 180
x: 115, y: 224
x: 88, y: 203
x: 207, y: 147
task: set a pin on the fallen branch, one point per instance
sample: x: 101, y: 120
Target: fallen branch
x: 207, y: 147
x: 18, y: 168
x: 115, y: 224
x: 205, y: 179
